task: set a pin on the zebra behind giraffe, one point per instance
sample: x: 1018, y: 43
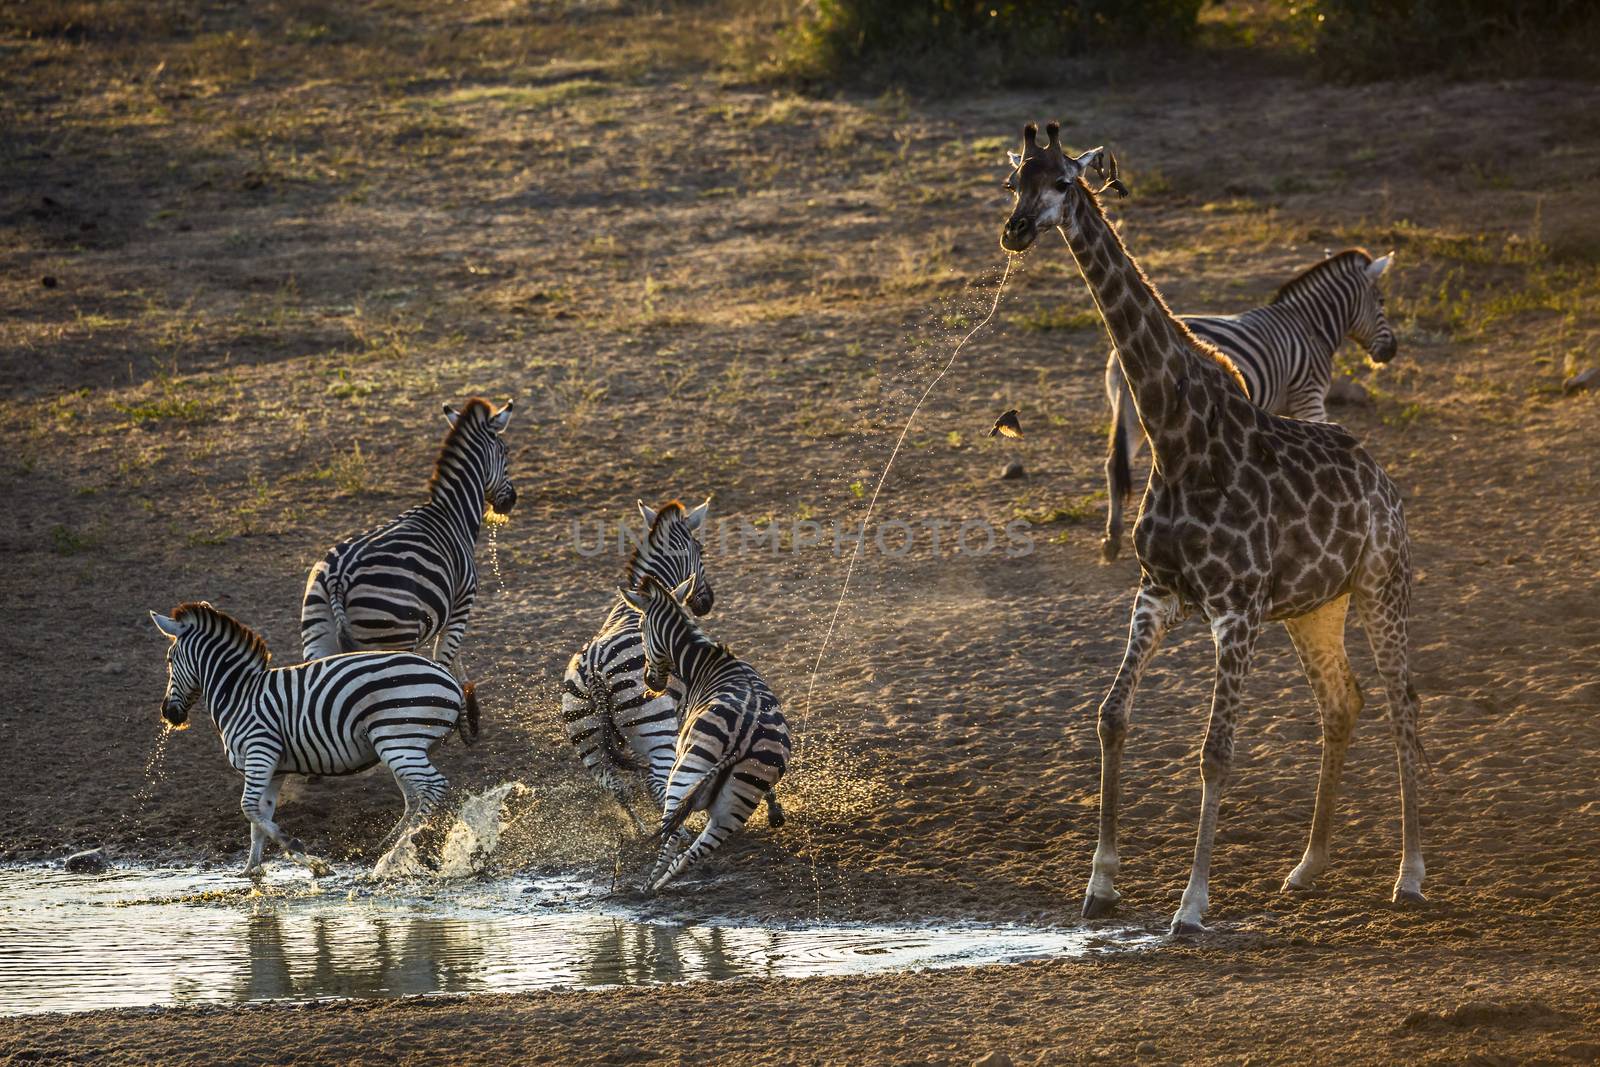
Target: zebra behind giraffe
x: 733, y: 741
x: 413, y: 580
x: 330, y: 716
x: 1283, y: 350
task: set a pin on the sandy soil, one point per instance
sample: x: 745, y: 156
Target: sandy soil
x: 265, y: 283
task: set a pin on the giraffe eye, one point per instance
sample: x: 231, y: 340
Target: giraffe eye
x: 1061, y: 185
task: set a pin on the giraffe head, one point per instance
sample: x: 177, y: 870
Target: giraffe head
x: 1049, y: 186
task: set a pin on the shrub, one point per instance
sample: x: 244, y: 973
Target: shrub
x: 930, y: 41
x: 1496, y: 38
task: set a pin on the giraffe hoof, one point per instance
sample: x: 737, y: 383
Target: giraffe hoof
x: 1292, y: 884
x: 1100, y: 907
x: 1109, y: 549
x: 1408, y: 896
x: 1186, y: 928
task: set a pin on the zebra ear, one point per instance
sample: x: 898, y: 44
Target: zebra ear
x: 1376, y: 268
x: 638, y: 600
x: 697, y: 518
x: 451, y: 414
x: 684, y: 590
x: 501, y: 419
x: 171, y: 627
x: 648, y: 514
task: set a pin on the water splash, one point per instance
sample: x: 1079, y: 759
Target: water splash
x: 872, y: 503
x: 151, y: 764
x: 469, y: 843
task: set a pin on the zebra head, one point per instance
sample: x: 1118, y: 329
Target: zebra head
x: 474, y: 445
x: 183, y: 669
x: 1049, y: 186
x: 671, y: 552
x: 663, y: 624
x: 1370, y: 327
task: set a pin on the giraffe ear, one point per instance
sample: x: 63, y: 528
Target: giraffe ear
x: 1377, y: 267
x: 171, y: 627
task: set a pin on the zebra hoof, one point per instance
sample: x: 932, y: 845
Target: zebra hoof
x: 254, y: 873
x: 1100, y: 907
x: 775, y: 816
x: 296, y: 846
x: 319, y: 869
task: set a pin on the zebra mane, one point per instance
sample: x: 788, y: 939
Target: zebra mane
x: 474, y: 413
x: 671, y: 509
x: 234, y: 631
x: 1300, y: 281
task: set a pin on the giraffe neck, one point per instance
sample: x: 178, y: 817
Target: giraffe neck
x: 1170, y: 380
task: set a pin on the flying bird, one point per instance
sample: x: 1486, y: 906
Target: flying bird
x: 1007, y: 425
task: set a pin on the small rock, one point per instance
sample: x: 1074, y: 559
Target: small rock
x: 111, y: 667
x: 48, y: 281
x: 1584, y: 379
x: 1345, y: 391
x: 1012, y: 471
x: 89, y: 861
x: 993, y: 1059
x: 1146, y: 1048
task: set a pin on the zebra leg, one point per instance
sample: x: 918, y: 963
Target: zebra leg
x: 1310, y: 404
x: 456, y: 628
x: 260, y: 768
x: 258, y: 836
x: 586, y: 722
x: 775, y: 815
x: 730, y: 810
x: 423, y: 787
x: 1154, y: 612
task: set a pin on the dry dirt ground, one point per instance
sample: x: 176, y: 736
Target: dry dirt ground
x: 249, y: 250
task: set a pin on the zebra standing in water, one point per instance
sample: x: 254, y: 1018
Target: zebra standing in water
x: 413, y: 580
x: 733, y: 742
x: 606, y: 712
x: 329, y: 716
x: 1283, y: 349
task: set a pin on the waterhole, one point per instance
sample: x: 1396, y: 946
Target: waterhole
x: 144, y: 937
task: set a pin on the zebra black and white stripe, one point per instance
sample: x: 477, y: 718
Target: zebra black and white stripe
x: 1283, y: 351
x: 733, y: 742
x: 413, y: 580
x: 330, y: 716
x: 606, y: 713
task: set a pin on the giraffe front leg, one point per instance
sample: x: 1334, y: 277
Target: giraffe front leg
x: 1235, y: 636
x: 1319, y: 640
x: 1154, y: 611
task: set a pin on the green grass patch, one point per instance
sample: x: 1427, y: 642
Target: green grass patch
x: 1056, y: 317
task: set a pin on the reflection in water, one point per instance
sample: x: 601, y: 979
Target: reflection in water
x: 77, y: 942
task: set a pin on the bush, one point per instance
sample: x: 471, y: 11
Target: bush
x: 934, y: 40
x: 1496, y: 38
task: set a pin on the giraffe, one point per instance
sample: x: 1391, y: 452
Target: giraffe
x: 1247, y: 518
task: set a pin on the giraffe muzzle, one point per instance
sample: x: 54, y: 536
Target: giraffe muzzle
x: 1019, y: 233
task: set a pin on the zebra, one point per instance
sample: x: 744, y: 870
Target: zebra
x: 1283, y: 349
x: 330, y: 716
x: 605, y: 711
x: 413, y: 580
x: 733, y: 742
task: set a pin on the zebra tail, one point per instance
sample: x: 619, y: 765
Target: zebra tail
x: 341, y: 622
x: 671, y: 825
x: 1121, y: 472
x: 467, y: 724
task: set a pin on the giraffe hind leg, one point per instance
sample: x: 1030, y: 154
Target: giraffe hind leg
x: 1384, y: 605
x: 1319, y: 640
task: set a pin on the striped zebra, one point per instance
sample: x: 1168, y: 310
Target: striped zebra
x: 413, y: 580
x: 733, y: 742
x: 330, y: 716
x: 1283, y: 349
x: 606, y: 713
